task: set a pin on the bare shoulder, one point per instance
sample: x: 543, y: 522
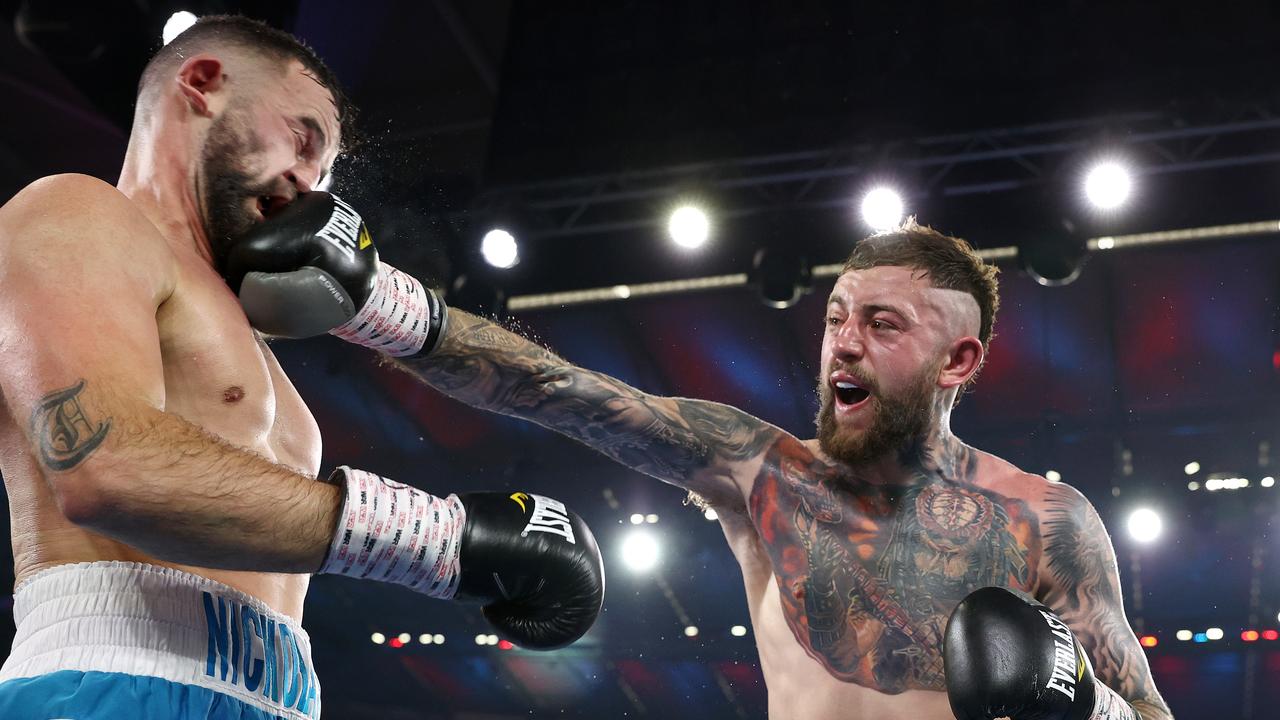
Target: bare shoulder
x: 798, y: 461
x: 55, y: 197
x: 83, y: 215
x: 999, y: 475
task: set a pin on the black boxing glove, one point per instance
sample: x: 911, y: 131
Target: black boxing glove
x: 534, y: 565
x: 312, y: 269
x: 1005, y: 656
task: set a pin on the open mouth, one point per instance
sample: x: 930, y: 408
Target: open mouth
x: 269, y: 205
x: 848, y: 393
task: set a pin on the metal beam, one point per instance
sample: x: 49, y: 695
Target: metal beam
x: 544, y: 301
x: 1011, y: 158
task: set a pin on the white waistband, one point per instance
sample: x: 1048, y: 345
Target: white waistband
x: 160, y: 622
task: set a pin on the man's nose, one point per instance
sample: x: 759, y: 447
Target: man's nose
x: 847, y: 342
x: 303, y: 178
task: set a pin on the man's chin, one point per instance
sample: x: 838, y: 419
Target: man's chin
x: 844, y: 445
x: 844, y: 454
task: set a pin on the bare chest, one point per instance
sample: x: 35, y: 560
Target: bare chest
x: 867, y: 577
x: 221, y: 376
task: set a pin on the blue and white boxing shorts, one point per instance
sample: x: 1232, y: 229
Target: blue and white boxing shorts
x: 111, y: 640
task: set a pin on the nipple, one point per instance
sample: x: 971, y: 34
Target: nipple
x: 233, y: 394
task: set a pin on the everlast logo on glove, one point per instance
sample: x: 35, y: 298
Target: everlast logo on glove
x: 343, y: 231
x: 549, y: 516
x: 1068, y: 667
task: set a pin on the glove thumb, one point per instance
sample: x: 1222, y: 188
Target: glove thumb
x: 297, y: 304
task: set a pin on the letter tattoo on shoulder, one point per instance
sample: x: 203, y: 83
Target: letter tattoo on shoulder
x: 63, y: 433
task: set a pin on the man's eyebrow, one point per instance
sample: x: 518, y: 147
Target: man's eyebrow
x: 873, y: 308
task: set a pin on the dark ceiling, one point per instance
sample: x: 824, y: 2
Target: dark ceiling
x: 584, y: 121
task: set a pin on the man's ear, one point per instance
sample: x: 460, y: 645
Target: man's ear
x: 964, y: 357
x: 199, y: 78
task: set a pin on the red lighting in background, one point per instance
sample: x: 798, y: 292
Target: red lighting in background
x: 505, y: 645
x: 1249, y: 635
x: 1270, y: 635
x: 1275, y: 360
x: 1149, y: 641
x: 395, y: 643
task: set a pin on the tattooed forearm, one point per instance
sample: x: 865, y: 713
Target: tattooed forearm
x: 64, y: 435
x: 1084, y: 587
x: 673, y: 439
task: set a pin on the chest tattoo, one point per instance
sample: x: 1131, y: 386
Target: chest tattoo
x: 869, y: 575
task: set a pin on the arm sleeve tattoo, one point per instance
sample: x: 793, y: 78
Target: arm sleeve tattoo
x: 674, y: 439
x: 1084, y: 588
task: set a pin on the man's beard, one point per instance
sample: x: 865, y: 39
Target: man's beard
x: 227, y: 184
x: 897, y: 422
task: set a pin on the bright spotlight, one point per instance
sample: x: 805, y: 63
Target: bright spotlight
x: 176, y: 23
x: 404, y: 638
x: 691, y: 631
x: 637, y: 519
x: 1268, y: 481
x: 1053, y: 476
x: 1191, y: 468
x: 689, y: 227
x: 710, y: 514
x: 1213, y: 633
x: 882, y: 209
x: 640, y: 551
x: 437, y: 639
x: 425, y: 638
x: 499, y: 248
x: 651, y: 518
x: 1193, y: 486
x: 1185, y: 635
x: 1107, y: 185
x: 378, y: 638
x: 738, y: 631
x: 1145, y: 525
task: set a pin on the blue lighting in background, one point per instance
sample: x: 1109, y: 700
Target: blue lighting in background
x: 1201, y: 637
x: 1227, y: 663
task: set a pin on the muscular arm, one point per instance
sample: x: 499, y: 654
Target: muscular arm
x: 161, y: 484
x: 82, y: 277
x: 1082, y: 584
x: 695, y: 444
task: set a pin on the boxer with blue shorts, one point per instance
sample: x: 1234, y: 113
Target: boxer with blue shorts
x: 162, y: 472
x: 114, y: 640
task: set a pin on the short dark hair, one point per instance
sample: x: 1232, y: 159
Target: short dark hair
x: 949, y: 262
x: 221, y: 31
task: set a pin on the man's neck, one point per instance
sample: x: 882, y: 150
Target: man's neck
x: 159, y: 177
x: 938, y: 455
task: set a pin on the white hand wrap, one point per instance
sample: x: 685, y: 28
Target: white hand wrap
x: 1108, y: 705
x: 399, y: 317
x: 395, y: 533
